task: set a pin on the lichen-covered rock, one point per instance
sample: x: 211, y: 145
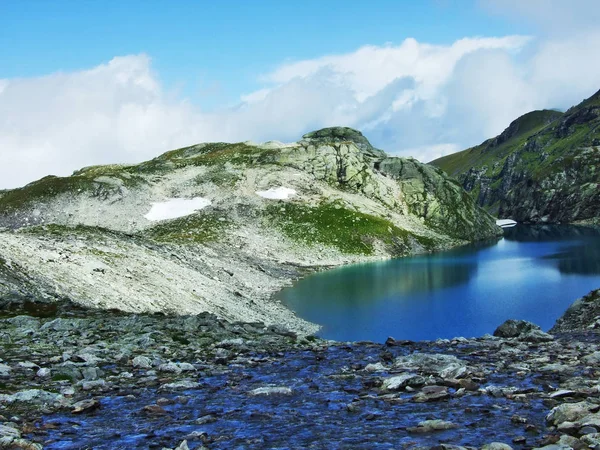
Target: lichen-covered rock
x: 522, y: 330
x: 583, y: 314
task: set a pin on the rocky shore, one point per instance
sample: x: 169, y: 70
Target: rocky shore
x: 78, y: 378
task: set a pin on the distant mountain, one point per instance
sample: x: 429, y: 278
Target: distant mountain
x: 545, y: 167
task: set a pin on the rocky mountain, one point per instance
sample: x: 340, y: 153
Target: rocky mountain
x: 219, y: 227
x: 542, y: 168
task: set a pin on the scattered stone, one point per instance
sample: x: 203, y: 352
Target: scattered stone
x: 85, y: 406
x: 273, y: 390
x: 431, y: 394
x: 142, y: 362
x: 429, y: 426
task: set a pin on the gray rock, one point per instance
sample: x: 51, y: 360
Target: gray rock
x: 519, y: 329
x: 444, y: 366
x: 44, y: 372
x: 33, y: 396
x: 85, y: 406
x: 179, y: 385
x: 496, y: 446
x: 272, y: 390
x: 399, y: 381
x: 142, y: 362
x: 170, y: 367
x: 4, y: 371
x: 429, y: 426
x: 570, y: 412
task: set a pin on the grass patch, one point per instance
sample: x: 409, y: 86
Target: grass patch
x: 199, y: 228
x: 331, y: 224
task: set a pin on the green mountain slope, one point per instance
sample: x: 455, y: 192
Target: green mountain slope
x: 542, y: 168
x: 115, y: 236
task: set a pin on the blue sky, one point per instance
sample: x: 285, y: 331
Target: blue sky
x: 216, y: 51
x: 94, y: 82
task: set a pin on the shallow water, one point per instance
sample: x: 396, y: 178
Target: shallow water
x: 533, y: 273
x: 314, y: 416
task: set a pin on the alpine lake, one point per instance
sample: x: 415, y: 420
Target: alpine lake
x: 533, y: 273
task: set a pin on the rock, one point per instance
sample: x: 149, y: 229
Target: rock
x: 4, y: 371
x: 400, y: 381
x: 377, y: 367
x: 444, y: 366
x: 170, y: 367
x: 209, y: 418
x: 44, y: 372
x: 142, y: 362
x: 429, y: 426
x: 179, y: 385
x: 272, y: 390
x: 496, y: 446
x: 91, y: 373
x: 583, y: 314
x: 186, y: 367
x: 570, y: 412
x: 522, y: 330
x: 431, y: 394
x: 588, y: 430
x: 85, y: 406
x: 9, y: 432
x: 562, y: 393
x: 592, y: 439
x: 154, y: 410
x: 93, y: 384
x: 182, y: 446
x: 33, y: 396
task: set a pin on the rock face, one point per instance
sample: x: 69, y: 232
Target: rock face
x: 584, y: 314
x: 542, y: 168
x: 332, y: 199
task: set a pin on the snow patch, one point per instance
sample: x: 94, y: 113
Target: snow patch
x: 176, y: 207
x: 280, y: 193
x: 505, y: 223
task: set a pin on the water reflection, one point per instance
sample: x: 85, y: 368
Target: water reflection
x: 534, y: 273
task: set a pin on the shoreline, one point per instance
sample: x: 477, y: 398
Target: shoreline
x: 191, y: 376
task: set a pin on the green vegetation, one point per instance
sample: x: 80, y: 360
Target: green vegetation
x: 332, y: 224
x: 213, y: 154
x: 492, y: 153
x: 199, y: 228
x: 83, y: 180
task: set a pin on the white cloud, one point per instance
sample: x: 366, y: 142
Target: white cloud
x: 411, y: 99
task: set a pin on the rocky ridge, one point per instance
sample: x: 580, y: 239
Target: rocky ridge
x: 90, y: 238
x: 72, y: 377
x: 542, y: 168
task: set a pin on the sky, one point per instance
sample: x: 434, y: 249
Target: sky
x: 90, y: 82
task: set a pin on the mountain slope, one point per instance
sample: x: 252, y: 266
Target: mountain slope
x: 542, y: 168
x: 239, y: 221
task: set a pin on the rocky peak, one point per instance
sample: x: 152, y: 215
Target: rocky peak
x: 332, y: 135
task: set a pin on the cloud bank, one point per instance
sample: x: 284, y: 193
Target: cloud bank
x: 411, y: 99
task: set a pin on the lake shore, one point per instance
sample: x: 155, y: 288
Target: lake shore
x: 108, y: 379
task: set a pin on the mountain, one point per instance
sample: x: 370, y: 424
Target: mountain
x: 542, y: 168
x: 219, y: 227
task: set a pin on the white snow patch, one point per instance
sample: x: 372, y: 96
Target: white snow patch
x: 505, y: 223
x: 280, y: 193
x: 176, y: 207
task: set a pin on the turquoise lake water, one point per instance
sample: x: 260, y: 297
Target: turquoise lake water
x: 533, y: 273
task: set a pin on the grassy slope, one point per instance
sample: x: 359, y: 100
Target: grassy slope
x: 492, y: 154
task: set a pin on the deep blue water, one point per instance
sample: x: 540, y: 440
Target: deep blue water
x: 533, y: 273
